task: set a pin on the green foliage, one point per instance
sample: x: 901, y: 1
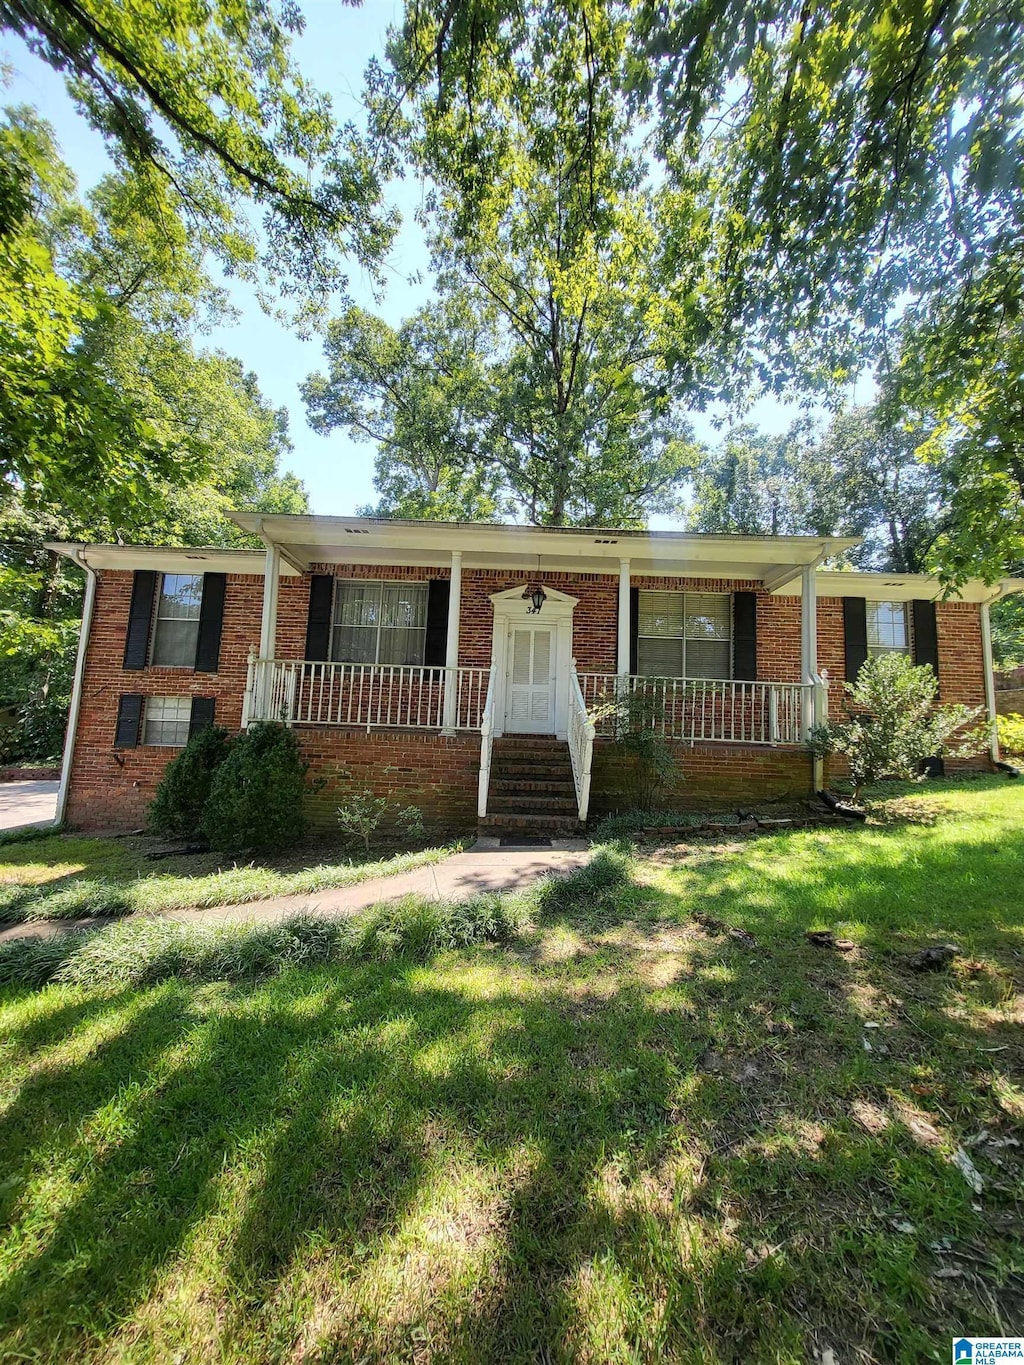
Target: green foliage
x: 362, y: 814
x: 893, y: 723
x: 179, y: 806
x: 255, y: 801
x: 587, y: 887
x: 1011, y: 735
x: 419, y: 393
x: 206, y: 105
x: 1007, y: 617
x: 825, y: 180
x: 857, y: 477
x: 647, y: 758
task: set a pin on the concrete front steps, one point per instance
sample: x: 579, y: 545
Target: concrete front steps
x: 531, y: 789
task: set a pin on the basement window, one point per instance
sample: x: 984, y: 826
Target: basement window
x: 167, y: 721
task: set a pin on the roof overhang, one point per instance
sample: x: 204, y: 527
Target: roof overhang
x: 309, y: 540
x: 166, y: 558
x: 896, y: 587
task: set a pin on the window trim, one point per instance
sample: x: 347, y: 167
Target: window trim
x: 876, y: 651
x: 178, y: 698
x: 155, y: 628
x: 683, y: 639
x: 381, y: 583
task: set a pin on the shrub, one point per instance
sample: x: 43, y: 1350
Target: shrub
x: 362, y: 814
x: 1011, y: 735
x: 180, y: 802
x: 648, y: 759
x: 255, y: 800
x: 893, y: 724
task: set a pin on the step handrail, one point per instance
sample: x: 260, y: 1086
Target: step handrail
x: 581, y: 733
x: 486, y: 741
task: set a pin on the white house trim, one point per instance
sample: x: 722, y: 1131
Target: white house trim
x: 511, y: 609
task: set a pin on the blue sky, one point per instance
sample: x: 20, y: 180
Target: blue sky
x: 333, y: 51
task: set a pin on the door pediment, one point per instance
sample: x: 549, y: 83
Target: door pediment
x: 510, y: 601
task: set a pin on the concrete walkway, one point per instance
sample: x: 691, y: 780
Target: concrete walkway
x: 25, y: 805
x: 481, y: 868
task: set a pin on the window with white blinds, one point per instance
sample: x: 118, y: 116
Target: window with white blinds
x: 379, y: 623
x: 684, y: 635
x: 888, y: 628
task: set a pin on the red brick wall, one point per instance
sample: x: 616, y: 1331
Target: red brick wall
x: 113, y: 788
x: 412, y: 768
x: 709, y: 775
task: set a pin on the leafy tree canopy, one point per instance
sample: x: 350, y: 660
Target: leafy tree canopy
x: 856, y: 477
x: 205, y: 104
x: 821, y: 172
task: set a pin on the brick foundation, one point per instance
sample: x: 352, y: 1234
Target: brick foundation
x: 709, y: 775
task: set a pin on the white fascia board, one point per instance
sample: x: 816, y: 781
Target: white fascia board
x: 368, y: 540
x: 167, y: 558
x: 878, y: 586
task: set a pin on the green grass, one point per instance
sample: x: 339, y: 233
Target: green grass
x: 71, y: 877
x: 619, y: 1135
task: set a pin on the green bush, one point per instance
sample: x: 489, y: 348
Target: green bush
x: 180, y: 802
x: 1011, y: 735
x: 893, y: 724
x: 255, y: 801
x: 647, y: 759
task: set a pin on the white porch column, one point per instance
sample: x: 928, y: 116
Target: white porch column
x: 809, y: 645
x: 990, y: 682
x: 271, y: 581
x: 623, y: 640
x: 451, y: 653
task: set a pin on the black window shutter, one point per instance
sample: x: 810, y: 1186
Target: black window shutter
x: 855, y: 634
x: 634, y: 627
x: 926, y: 636
x: 435, y: 646
x: 744, y: 636
x: 211, y: 622
x: 140, y: 618
x: 129, y: 720
x: 318, y: 623
x: 202, y: 714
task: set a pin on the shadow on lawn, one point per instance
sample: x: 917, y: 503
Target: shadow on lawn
x: 659, y: 1145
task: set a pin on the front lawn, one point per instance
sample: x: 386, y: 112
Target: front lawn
x: 62, y: 876
x: 630, y: 1134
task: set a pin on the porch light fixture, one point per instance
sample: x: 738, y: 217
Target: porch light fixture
x: 535, y: 594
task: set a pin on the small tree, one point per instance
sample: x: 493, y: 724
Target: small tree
x: 893, y: 724
x: 180, y: 802
x: 649, y: 761
x: 362, y: 814
x: 255, y: 801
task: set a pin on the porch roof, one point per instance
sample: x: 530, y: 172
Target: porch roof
x: 307, y: 540
x: 166, y: 558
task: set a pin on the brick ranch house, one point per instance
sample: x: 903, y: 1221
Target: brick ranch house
x: 462, y: 668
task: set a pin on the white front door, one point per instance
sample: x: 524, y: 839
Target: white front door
x: 530, y: 682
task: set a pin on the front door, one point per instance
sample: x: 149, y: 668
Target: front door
x: 530, y: 681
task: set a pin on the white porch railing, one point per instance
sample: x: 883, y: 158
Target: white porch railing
x: 372, y: 696
x: 697, y: 709
x: 581, y: 733
x: 486, y: 740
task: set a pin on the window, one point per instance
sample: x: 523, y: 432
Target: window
x: 176, y: 632
x: 685, y: 635
x: 167, y: 720
x: 888, y: 627
x: 379, y: 623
